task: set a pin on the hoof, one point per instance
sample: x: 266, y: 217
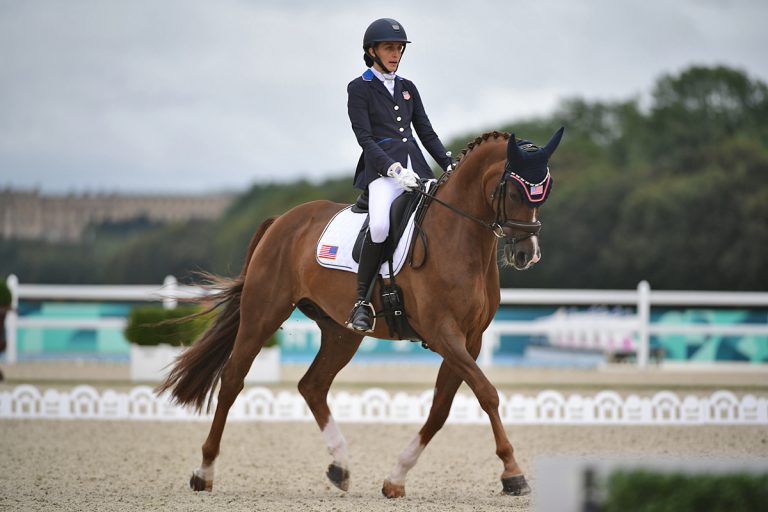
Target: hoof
x: 515, y: 486
x: 391, y: 490
x: 338, y: 476
x: 199, y: 484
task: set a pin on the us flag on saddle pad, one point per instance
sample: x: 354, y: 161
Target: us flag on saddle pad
x: 328, y: 252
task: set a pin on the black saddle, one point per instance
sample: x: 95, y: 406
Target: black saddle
x: 401, y: 210
x: 393, y: 305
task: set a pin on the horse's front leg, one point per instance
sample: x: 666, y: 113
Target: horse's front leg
x: 338, y: 345
x: 445, y: 389
x: 463, y: 364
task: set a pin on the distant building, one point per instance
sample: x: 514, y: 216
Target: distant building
x: 59, y: 218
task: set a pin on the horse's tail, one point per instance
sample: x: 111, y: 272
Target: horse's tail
x: 198, y: 369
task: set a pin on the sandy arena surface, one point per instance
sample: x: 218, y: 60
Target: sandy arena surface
x: 111, y: 466
x: 137, y: 465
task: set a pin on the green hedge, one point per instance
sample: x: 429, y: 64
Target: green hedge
x: 675, y: 492
x: 147, y: 326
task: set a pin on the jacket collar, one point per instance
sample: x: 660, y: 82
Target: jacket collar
x: 369, y: 75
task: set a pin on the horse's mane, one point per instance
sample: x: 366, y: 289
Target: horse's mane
x: 479, y: 140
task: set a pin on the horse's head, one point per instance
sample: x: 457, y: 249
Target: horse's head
x: 517, y: 206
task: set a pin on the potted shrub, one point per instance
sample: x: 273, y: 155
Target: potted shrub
x: 5, y: 306
x: 158, y: 335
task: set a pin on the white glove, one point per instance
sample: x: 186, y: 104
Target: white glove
x: 452, y: 165
x: 405, y: 177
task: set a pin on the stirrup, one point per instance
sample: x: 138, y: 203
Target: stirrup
x: 372, y: 316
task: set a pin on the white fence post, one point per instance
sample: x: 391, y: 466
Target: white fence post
x: 644, y: 320
x: 490, y: 342
x: 12, y: 320
x: 170, y: 292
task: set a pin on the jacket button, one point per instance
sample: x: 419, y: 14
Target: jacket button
x: 405, y: 139
x: 399, y: 118
x: 397, y: 107
x: 402, y: 129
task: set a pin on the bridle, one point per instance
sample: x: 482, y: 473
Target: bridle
x: 534, y: 192
x: 513, y: 230
x: 510, y: 230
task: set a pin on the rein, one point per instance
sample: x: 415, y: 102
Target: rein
x: 501, y: 227
x: 493, y: 226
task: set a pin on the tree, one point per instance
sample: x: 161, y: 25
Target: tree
x: 696, y: 111
x: 676, y: 194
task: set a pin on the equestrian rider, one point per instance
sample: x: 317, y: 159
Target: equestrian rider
x: 383, y: 108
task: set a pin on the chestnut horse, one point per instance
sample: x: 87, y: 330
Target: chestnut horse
x: 450, y: 299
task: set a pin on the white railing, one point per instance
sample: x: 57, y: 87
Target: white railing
x: 374, y: 405
x: 169, y: 294
x: 641, y: 299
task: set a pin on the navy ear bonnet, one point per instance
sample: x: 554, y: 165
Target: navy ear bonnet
x: 527, y: 167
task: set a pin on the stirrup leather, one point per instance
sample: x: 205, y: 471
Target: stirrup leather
x: 372, y: 316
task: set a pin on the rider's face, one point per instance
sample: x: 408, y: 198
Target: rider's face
x: 390, y: 53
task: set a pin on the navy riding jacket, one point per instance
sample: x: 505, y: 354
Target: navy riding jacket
x: 383, y: 127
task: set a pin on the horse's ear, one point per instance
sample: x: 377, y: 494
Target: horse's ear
x: 553, y: 142
x: 514, y: 153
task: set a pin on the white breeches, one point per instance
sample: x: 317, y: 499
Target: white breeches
x: 381, y: 192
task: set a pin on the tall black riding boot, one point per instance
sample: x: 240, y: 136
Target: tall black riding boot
x: 361, y: 318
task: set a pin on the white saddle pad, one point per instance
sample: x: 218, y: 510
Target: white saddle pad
x: 334, y: 249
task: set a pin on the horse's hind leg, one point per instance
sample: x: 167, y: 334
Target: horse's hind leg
x: 253, y: 331
x: 338, y: 345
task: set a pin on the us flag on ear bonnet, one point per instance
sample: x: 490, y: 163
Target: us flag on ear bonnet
x: 528, y: 167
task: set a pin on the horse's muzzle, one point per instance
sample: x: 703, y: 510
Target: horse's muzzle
x: 522, y: 255
x: 522, y: 244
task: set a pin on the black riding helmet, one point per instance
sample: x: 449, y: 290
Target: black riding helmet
x: 382, y: 30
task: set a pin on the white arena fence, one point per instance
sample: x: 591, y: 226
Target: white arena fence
x: 597, y: 330
x: 379, y: 406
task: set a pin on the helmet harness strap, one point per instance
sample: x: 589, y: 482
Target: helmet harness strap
x: 378, y: 61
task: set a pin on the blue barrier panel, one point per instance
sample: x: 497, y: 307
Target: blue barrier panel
x: 301, y: 345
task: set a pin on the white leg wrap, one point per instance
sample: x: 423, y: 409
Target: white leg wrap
x: 406, y: 461
x: 204, y: 472
x: 337, y: 445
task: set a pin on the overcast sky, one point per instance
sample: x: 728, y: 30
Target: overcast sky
x: 194, y: 96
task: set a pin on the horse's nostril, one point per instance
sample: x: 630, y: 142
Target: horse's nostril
x: 521, y: 258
